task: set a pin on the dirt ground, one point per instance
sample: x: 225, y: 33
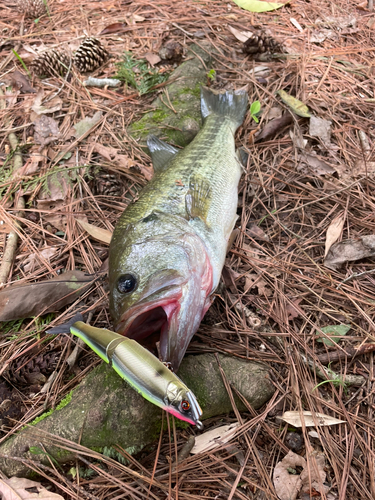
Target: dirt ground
x: 308, y: 185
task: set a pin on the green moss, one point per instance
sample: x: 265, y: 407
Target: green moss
x: 60, y: 406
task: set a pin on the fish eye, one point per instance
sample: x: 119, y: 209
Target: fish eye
x: 126, y: 283
x: 185, y: 405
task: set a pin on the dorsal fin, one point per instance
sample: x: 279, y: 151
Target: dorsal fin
x: 161, y: 152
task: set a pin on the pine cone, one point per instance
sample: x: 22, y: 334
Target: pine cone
x: 51, y: 63
x: 32, y: 8
x: 35, y: 371
x: 260, y: 43
x: 106, y: 184
x: 90, y: 55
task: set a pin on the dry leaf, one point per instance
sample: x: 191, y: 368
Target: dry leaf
x: 34, y: 258
x: 334, y: 232
x: 97, y: 233
x: 46, y: 130
x: 242, y: 36
x: 152, y: 58
x: 21, y: 82
x: 350, y: 250
x: 87, y: 124
x: 292, y: 309
x: 320, y: 128
x: 296, y: 24
x: 311, y: 164
x: 294, y: 418
x: 273, y: 127
x: 214, y: 438
x: 54, y: 104
x: 114, y: 28
x: 253, y: 280
x: 32, y: 299
x: 362, y: 168
x: 254, y: 231
x: 287, y: 484
x: 297, y: 106
x: 16, y: 488
x: 112, y: 155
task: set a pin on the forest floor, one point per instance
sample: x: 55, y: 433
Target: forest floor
x: 309, y: 183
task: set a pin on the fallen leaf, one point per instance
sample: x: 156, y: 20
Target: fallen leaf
x: 295, y: 419
x: 16, y: 488
x: 45, y: 254
x: 314, y: 476
x: 112, y: 155
x: 254, y: 231
x: 287, y: 485
x: 21, y: 82
x: 152, y: 58
x: 114, y: 28
x: 54, y: 215
x: 334, y: 332
x: 96, y: 232
x: 314, y: 165
x: 292, y: 309
x: 273, y: 127
x: 137, y: 18
x: 350, y: 250
x: 363, y: 168
x: 54, y: 104
x: 297, y: 106
x: 253, y: 280
x: 334, y: 232
x: 320, y: 128
x: 87, y: 124
x: 46, y: 130
x: 258, y: 5
x: 242, y: 36
x: 214, y: 438
x: 32, y: 299
x: 296, y: 24
x: 32, y: 166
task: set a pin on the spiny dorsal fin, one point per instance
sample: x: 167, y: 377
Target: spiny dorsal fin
x: 161, y: 152
x: 198, y: 198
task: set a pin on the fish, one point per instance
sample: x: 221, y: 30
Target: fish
x: 139, y: 368
x: 168, y: 248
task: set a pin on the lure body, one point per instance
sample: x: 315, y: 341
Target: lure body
x: 142, y: 370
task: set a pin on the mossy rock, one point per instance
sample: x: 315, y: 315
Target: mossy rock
x: 105, y: 411
x: 179, y: 127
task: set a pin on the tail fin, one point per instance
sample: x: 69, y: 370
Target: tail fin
x: 232, y: 103
x: 65, y: 327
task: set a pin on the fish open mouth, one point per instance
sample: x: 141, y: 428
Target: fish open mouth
x: 149, y: 324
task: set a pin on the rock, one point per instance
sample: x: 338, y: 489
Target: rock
x: 105, y: 411
x: 180, y: 126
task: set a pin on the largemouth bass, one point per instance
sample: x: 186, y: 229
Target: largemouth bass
x: 168, y: 248
x: 141, y: 369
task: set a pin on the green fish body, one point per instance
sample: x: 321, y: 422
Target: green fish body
x: 168, y: 248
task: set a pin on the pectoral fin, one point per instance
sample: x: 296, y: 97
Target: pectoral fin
x: 198, y: 199
x: 161, y: 152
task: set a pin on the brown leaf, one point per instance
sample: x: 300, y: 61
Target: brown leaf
x: 273, y: 127
x: 334, y: 232
x: 53, y: 105
x: 152, y: 58
x: 34, y: 258
x: 21, y: 82
x: 362, y: 168
x: 96, y: 232
x: 292, y: 309
x: 114, y: 28
x: 287, y: 484
x: 242, y: 36
x: 112, y: 155
x: 32, y: 299
x: 254, y: 231
x: 19, y: 488
x: 320, y: 128
x: 46, y: 130
x: 253, y: 280
x: 314, y: 165
x: 350, y: 250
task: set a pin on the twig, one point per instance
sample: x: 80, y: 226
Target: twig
x: 328, y: 374
x: 354, y: 275
x: 349, y: 353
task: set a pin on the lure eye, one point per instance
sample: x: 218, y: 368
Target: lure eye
x: 185, y: 405
x: 126, y: 283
